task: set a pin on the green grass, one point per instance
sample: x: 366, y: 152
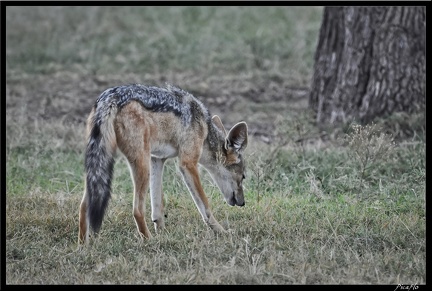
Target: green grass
x: 346, y: 206
x: 303, y: 223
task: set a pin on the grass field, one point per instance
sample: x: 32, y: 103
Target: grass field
x: 342, y: 206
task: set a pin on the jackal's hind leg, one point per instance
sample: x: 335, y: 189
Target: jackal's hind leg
x: 140, y: 172
x: 83, y: 233
x: 156, y: 193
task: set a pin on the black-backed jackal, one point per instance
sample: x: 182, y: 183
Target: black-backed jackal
x: 149, y: 125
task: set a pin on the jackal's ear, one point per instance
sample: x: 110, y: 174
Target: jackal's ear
x: 237, y: 137
x: 218, y: 122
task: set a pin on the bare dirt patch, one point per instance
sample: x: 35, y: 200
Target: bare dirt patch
x: 68, y: 97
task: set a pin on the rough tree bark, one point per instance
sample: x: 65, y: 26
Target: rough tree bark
x: 369, y: 62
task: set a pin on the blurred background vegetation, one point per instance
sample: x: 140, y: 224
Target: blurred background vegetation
x: 206, y: 40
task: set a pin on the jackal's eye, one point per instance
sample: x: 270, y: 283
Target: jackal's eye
x: 243, y: 177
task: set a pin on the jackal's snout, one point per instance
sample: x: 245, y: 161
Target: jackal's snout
x: 236, y: 199
x: 240, y: 202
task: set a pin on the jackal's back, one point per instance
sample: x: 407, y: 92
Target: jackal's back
x: 157, y: 99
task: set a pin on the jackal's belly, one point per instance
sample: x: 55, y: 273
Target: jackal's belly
x: 163, y: 151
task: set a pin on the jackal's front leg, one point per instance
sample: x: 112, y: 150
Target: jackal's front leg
x: 191, y: 177
x: 156, y: 193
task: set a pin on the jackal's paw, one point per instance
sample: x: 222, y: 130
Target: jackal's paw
x: 217, y: 228
x: 145, y: 236
x: 230, y: 231
x: 80, y: 247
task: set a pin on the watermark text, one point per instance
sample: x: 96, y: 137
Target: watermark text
x: 406, y: 287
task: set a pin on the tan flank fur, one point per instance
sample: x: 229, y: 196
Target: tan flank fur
x: 149, y: 125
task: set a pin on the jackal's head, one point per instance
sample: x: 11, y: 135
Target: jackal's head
x: 227, y: 165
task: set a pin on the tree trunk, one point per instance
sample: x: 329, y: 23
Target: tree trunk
x: 369, y: 62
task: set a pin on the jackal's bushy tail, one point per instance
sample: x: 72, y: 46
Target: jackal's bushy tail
x: 99, y: 157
